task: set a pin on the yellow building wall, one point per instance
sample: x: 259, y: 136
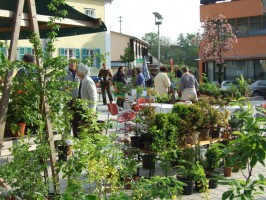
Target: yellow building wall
x: 118, y: 44
x: 89, y: 41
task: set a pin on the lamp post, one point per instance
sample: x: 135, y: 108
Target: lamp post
x: 158, y: 22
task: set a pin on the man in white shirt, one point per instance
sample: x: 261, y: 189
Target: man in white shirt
x: 162, y: 82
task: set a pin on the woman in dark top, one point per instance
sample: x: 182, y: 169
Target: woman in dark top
x: 122, y: 78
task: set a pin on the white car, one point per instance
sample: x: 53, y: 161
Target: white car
x: 226, y: 84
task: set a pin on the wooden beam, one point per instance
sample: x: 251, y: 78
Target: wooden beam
x: 45, y: 18
x: 44, y: 103
x: 10, y: 74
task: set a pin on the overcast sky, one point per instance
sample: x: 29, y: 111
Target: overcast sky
x: 179, y: 16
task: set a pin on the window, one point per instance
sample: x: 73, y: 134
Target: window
x: 68, y: 53
x: 24, y: 50
x: 3, y: 50
x: 90, y: 12
x: 90, y: 53
x: 242, y: 27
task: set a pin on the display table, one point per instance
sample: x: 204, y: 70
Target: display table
x: 160, y: 107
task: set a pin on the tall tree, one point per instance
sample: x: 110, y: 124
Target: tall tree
x: 216, y: 40
x: 152, y: 39
x: 128, y: 56
x: 185, y: 51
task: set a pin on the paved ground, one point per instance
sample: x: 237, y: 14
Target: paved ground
x: 214, y: 194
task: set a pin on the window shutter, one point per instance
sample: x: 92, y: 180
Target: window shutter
x: 84, y: 54
x: 77, y: 53
x: 98, y: 61
x: 3, y: 50
x: 61, y: 51
x: 28, y: 50
x: 21, y: 51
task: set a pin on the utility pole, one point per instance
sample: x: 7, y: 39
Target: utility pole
x: 120, y: 21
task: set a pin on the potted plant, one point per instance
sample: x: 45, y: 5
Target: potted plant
x: 212, y: 162
x: 136, y: 139
x: 130, y: 170
x: 157, y: 187
x: 186, y: 175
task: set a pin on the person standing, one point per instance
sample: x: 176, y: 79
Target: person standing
x: 162, y: 82
x: 178, y: 72
x: 105, y: 76
x: 71, y: 75
x: 140, y: 81
x: 188, y: 86
x: 122, y: 78
x: 87, y: 87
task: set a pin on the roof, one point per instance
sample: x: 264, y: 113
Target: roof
x: 75, y: 23
x: 132, y: 37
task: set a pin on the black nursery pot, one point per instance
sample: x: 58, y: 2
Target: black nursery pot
x: 62, y: 152
x: 136, y: 141
x: 213, y: 183
x: 188, y: 189
x: 215, y: 133
x: 148, y: 161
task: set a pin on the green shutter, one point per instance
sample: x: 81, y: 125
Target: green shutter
x: 28, y: 50
x: 21, y: 53
x: 84, y: 54
x: 62, y: 52
x: 3, y: 50
x: 77, y: 53
x: 98, y: 61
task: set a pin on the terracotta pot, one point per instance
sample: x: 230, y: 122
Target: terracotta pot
x: 227, y: 171
x: 204, y: 134
x: 22, y: 128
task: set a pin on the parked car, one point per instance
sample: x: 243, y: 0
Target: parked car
x: 226, y: 84
x: 258, y: 88
x: 96, y: 79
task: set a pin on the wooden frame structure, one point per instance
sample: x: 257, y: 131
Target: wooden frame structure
x: 30, y: 22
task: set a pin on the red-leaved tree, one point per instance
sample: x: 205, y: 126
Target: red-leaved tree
x: 216, y: 40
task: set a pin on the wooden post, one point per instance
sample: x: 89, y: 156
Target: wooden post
x: 12, y: 73
x: 49, y: 130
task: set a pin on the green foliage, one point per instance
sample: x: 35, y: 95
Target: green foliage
x: 92, y: 155
x: 24, y: 172
x: 128, y: 55
x: 248, y: 148
x: 163, y: 98
x: 210, y: 89
x: 213, y: 157
x: 157, y: 187
x: 241, y: 189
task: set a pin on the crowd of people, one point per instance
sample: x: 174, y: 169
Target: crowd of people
x: 86, y: 87
x: 79, y: 75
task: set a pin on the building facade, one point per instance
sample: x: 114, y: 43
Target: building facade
x: 248, y: 20
x: 119, y: 42
x: 80, y: 46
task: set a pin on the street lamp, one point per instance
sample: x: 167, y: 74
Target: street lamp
x: 158, y: 22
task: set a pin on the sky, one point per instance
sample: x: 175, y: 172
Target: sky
x: 179, y: 16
